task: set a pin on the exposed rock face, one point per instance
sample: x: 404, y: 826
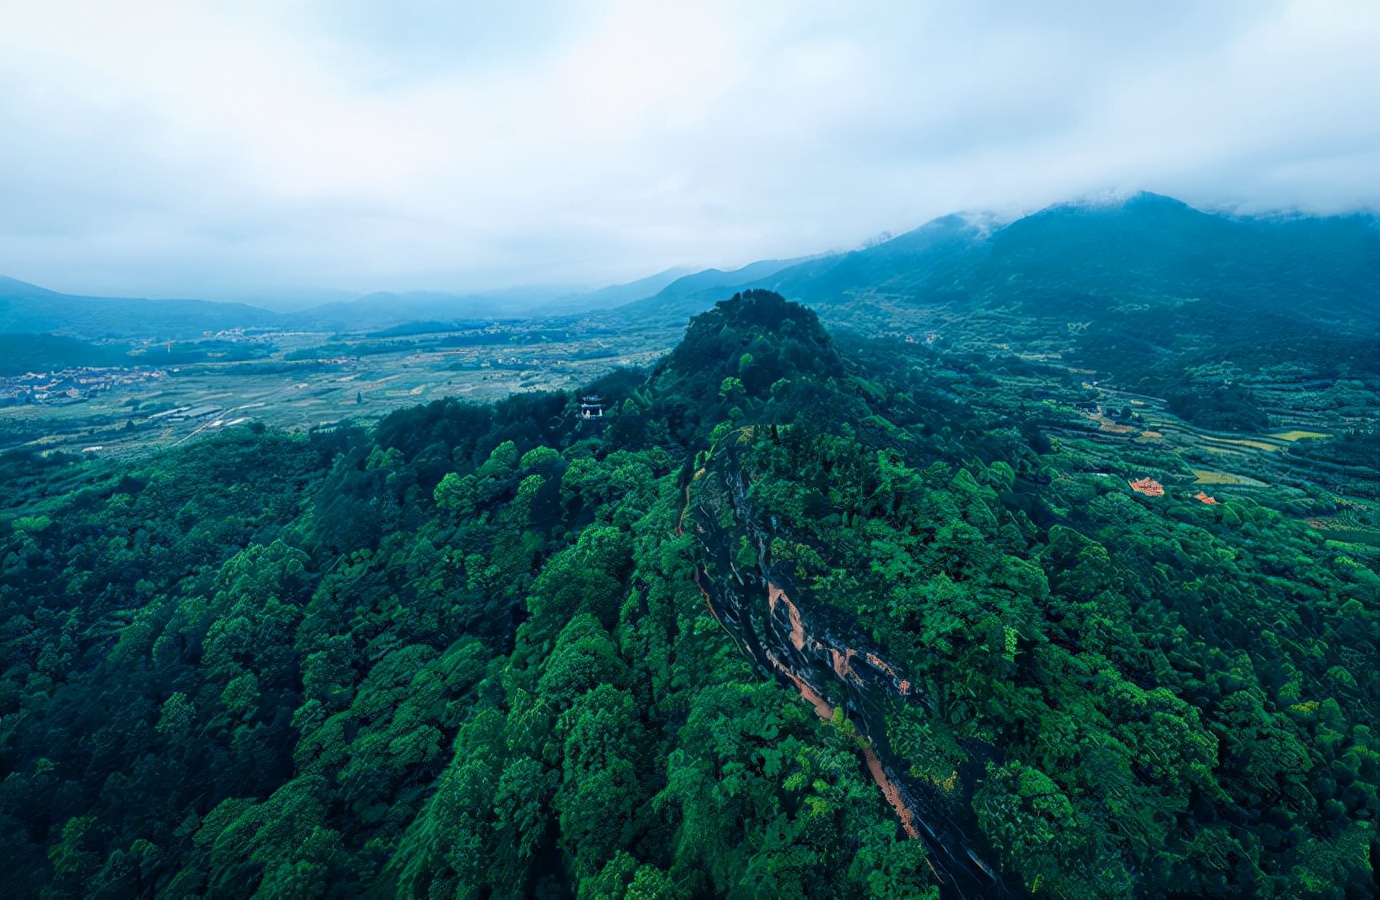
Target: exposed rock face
x: 811, y: 646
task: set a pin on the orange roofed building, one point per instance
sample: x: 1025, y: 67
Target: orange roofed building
x: 1147, y: 486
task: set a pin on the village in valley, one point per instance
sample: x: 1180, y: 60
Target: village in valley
x: 294, y: 382
x: 72, y: 385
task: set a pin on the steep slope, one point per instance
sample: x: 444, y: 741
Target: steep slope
x: 1156, y: 249
x: 1076, y: 259
x: 927, y: 265
x: 1153, y: 288
x: 754, y: 590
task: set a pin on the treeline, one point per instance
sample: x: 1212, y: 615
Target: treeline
x: 21, y: 353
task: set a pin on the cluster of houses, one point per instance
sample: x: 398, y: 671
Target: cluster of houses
x: 70, y: 385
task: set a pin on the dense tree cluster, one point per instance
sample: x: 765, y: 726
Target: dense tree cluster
x: 464, y: 655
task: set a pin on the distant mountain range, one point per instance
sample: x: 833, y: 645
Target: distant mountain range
x: 1165, y: 298
x: 1080, y: 259
x: 1148, y: 288
x: 29, y: 309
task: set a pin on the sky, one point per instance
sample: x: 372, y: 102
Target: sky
x: 268, y: 150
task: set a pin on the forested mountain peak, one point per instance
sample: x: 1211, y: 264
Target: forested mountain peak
x: 759, y: 313
x: 1140, y: 203
x: 747, y: 344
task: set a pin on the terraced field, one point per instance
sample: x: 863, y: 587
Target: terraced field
x: 1207, y: 476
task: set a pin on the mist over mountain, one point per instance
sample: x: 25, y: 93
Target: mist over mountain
x: 1122, y: 261
x: 1088, y: 257
x: 1166, y: 298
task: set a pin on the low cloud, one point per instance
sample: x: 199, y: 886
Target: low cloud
x: 253, y: 150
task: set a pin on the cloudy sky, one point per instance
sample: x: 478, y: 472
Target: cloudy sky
x: 257, y: 150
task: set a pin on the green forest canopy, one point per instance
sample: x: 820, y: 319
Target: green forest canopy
x: 463, y: 654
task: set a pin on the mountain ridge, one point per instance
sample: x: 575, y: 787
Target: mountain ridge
x: 27, y: 308
x: 930, y: 262
x: 1056, y: 263
x: 1160, y: 296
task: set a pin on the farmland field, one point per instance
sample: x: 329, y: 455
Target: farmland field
x: 1207, y: 476
x: 297, y: 388
x: 1297, y: 435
